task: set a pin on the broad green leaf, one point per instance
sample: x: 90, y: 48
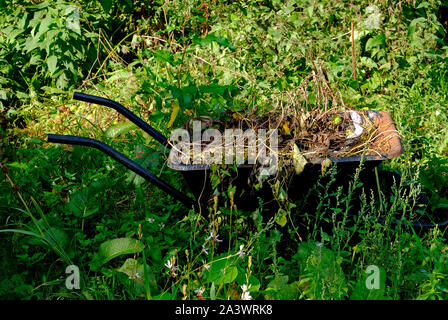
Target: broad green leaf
x: 31, y: 43
x: 52, y: 63
x: 378, y: 41
x: 309, y: 11
x: 35, y: 59
x: 254, y: 283
x: 417, y: 21
x: 165, y: 56
x: 275, y: 34
x: 62, y: 82
x: 114, y: 248
x: 132, y: 274
x: 83, y: 204
x: 221, y: 271
x: 133, y: 269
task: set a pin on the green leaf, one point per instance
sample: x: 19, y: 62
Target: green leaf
x: 309, y: 11
x: 254, y: 283
x: 83, y: 204
x: 18, y: 165
x: 165, y: 56
x: 324, y: 165
x: 221, y: 271
x: 213, y: 38
x: 52, y: 64
x: 35, y: 59
x: 106, y: 4
x: 280, y: 289
x: 114, y: 248
x: 27, y: 233
x: 146, y: 157
x: 119, y: 129
x: 298, y: 159
x: 132, y: 268
x: 278, y: 283
x: 378, y: 41
x: 282, y: 220
x: 275, y: 34
x: 212, y: 291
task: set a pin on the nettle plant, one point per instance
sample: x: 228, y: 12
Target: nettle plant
x: 42, y: 46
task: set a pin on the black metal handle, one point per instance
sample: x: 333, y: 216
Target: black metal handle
x: 125, y: 112
x: 114, y: 154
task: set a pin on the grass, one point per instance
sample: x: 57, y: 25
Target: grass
x: 73, y: 205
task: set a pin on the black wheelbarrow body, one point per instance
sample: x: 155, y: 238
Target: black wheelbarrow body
x: 197, y: 177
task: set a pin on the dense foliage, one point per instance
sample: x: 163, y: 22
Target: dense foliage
x: 171, y: 60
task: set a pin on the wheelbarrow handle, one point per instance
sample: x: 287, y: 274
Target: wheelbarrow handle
x: 125, y: 112
x: 114, y: 154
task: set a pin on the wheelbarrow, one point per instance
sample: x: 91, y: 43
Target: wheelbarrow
x: 198, y: 176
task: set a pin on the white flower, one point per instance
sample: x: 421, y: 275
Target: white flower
x: 199, y: 291
x: 170, y: 265
x: 211, y: 237
x: 246, y: 294
x: 206, y: 266
x: 150, y: 220
x: 437, y: 112
x: 205, y: 250
x: 241, y: 252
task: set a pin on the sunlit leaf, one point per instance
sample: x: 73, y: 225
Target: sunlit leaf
x: 114, y: 248
x: 298, y: 159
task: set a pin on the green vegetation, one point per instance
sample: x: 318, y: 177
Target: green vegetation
x: 171, y: 60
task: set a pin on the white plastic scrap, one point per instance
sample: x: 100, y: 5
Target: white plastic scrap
x: 357, y: 120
